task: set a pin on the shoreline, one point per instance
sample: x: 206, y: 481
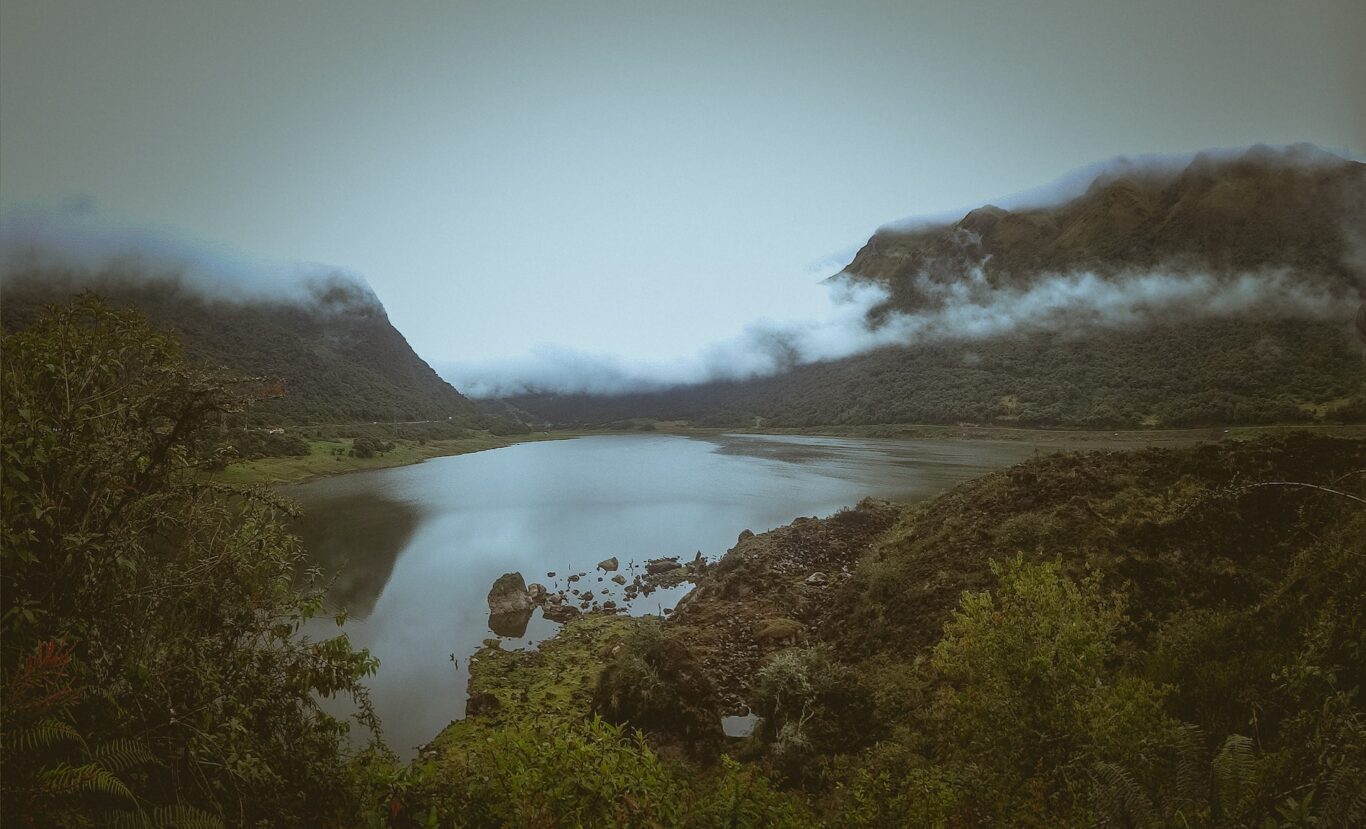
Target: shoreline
x: 321, y: 463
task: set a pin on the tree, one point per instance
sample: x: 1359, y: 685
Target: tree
x: 175, y: 605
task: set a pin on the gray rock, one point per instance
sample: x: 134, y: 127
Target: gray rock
x: 509, y: 595
x: 560, y: 612
x: 817, y: 579
x: 661, y: 565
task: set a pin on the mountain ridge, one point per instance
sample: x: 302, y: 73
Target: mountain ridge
x: 1277, y: 234
x: 340, y: 359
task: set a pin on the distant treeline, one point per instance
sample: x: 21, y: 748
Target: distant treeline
x: 1216, y: 372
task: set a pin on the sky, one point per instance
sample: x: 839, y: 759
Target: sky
x: 625, y: 178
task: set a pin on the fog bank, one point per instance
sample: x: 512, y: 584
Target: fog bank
x: 76, y: 246
x: 964, y: 310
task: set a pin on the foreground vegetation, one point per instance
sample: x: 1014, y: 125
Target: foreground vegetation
x: 1167, y: 637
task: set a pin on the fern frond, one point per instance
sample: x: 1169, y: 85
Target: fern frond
x: 42, y: 734
x: 1343, y: 803
x: 67, y: 779
x: 181, y: 816
x: 121, y: 755
x: 1121, y: 800
x: 128, y: 820
x: 1191, y: 785
x: 1233, y: 769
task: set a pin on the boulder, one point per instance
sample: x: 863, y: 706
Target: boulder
x: 661, y: 565
x: 609, y: 605
x: 537, y: 592
x: 817, y: 579
x: 560, y: 612
x: 509, y: 595
x: 619, y: 579
x: 609, y: 564
x: 745, y: 535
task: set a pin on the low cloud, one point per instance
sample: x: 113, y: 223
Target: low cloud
x: 961, y: 310
x: 76, y: 246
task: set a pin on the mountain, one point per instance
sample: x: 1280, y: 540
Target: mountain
x: 332, y: 345
x: 1219, y: 288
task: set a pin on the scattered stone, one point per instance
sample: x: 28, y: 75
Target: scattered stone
x: 550, y: 575
x: 817, y: 579
x: 609, y: 564
x: 560, y: 612
x: 587, y: 595
x: 509, y: 594
x: 619, y: 579
x: 573, y: 578
x: 609, y: 605
x: 661, y: 565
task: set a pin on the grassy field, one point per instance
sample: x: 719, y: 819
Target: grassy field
x: 330, y: 457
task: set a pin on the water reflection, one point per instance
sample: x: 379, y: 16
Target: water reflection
x: 511, y: 625
x: 355, y: 540
x: 418, y: 547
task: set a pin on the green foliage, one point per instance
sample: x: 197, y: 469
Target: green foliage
x: 159, y: 619
x: 657, y: 685
x: 592, y: 774
x: 811, y: 707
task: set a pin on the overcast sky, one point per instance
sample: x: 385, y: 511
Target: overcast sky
x: 626, y: 177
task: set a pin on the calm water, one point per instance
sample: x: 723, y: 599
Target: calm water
x: 417, y: 547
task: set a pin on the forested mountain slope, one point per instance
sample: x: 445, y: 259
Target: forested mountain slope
x: 1218, y: 291
x: 337, y: 355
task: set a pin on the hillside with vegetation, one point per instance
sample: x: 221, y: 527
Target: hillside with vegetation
x: 1276, y: 234
x: 1123, y: 639
x: 328, y: 357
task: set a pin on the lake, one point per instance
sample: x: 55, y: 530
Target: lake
x: 416, y: 548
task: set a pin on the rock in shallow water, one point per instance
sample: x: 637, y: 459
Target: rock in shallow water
x: 509, y: 594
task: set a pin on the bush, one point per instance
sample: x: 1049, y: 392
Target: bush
x: 811, y: 707
x: 657, y: 685
x: 593, y: 774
